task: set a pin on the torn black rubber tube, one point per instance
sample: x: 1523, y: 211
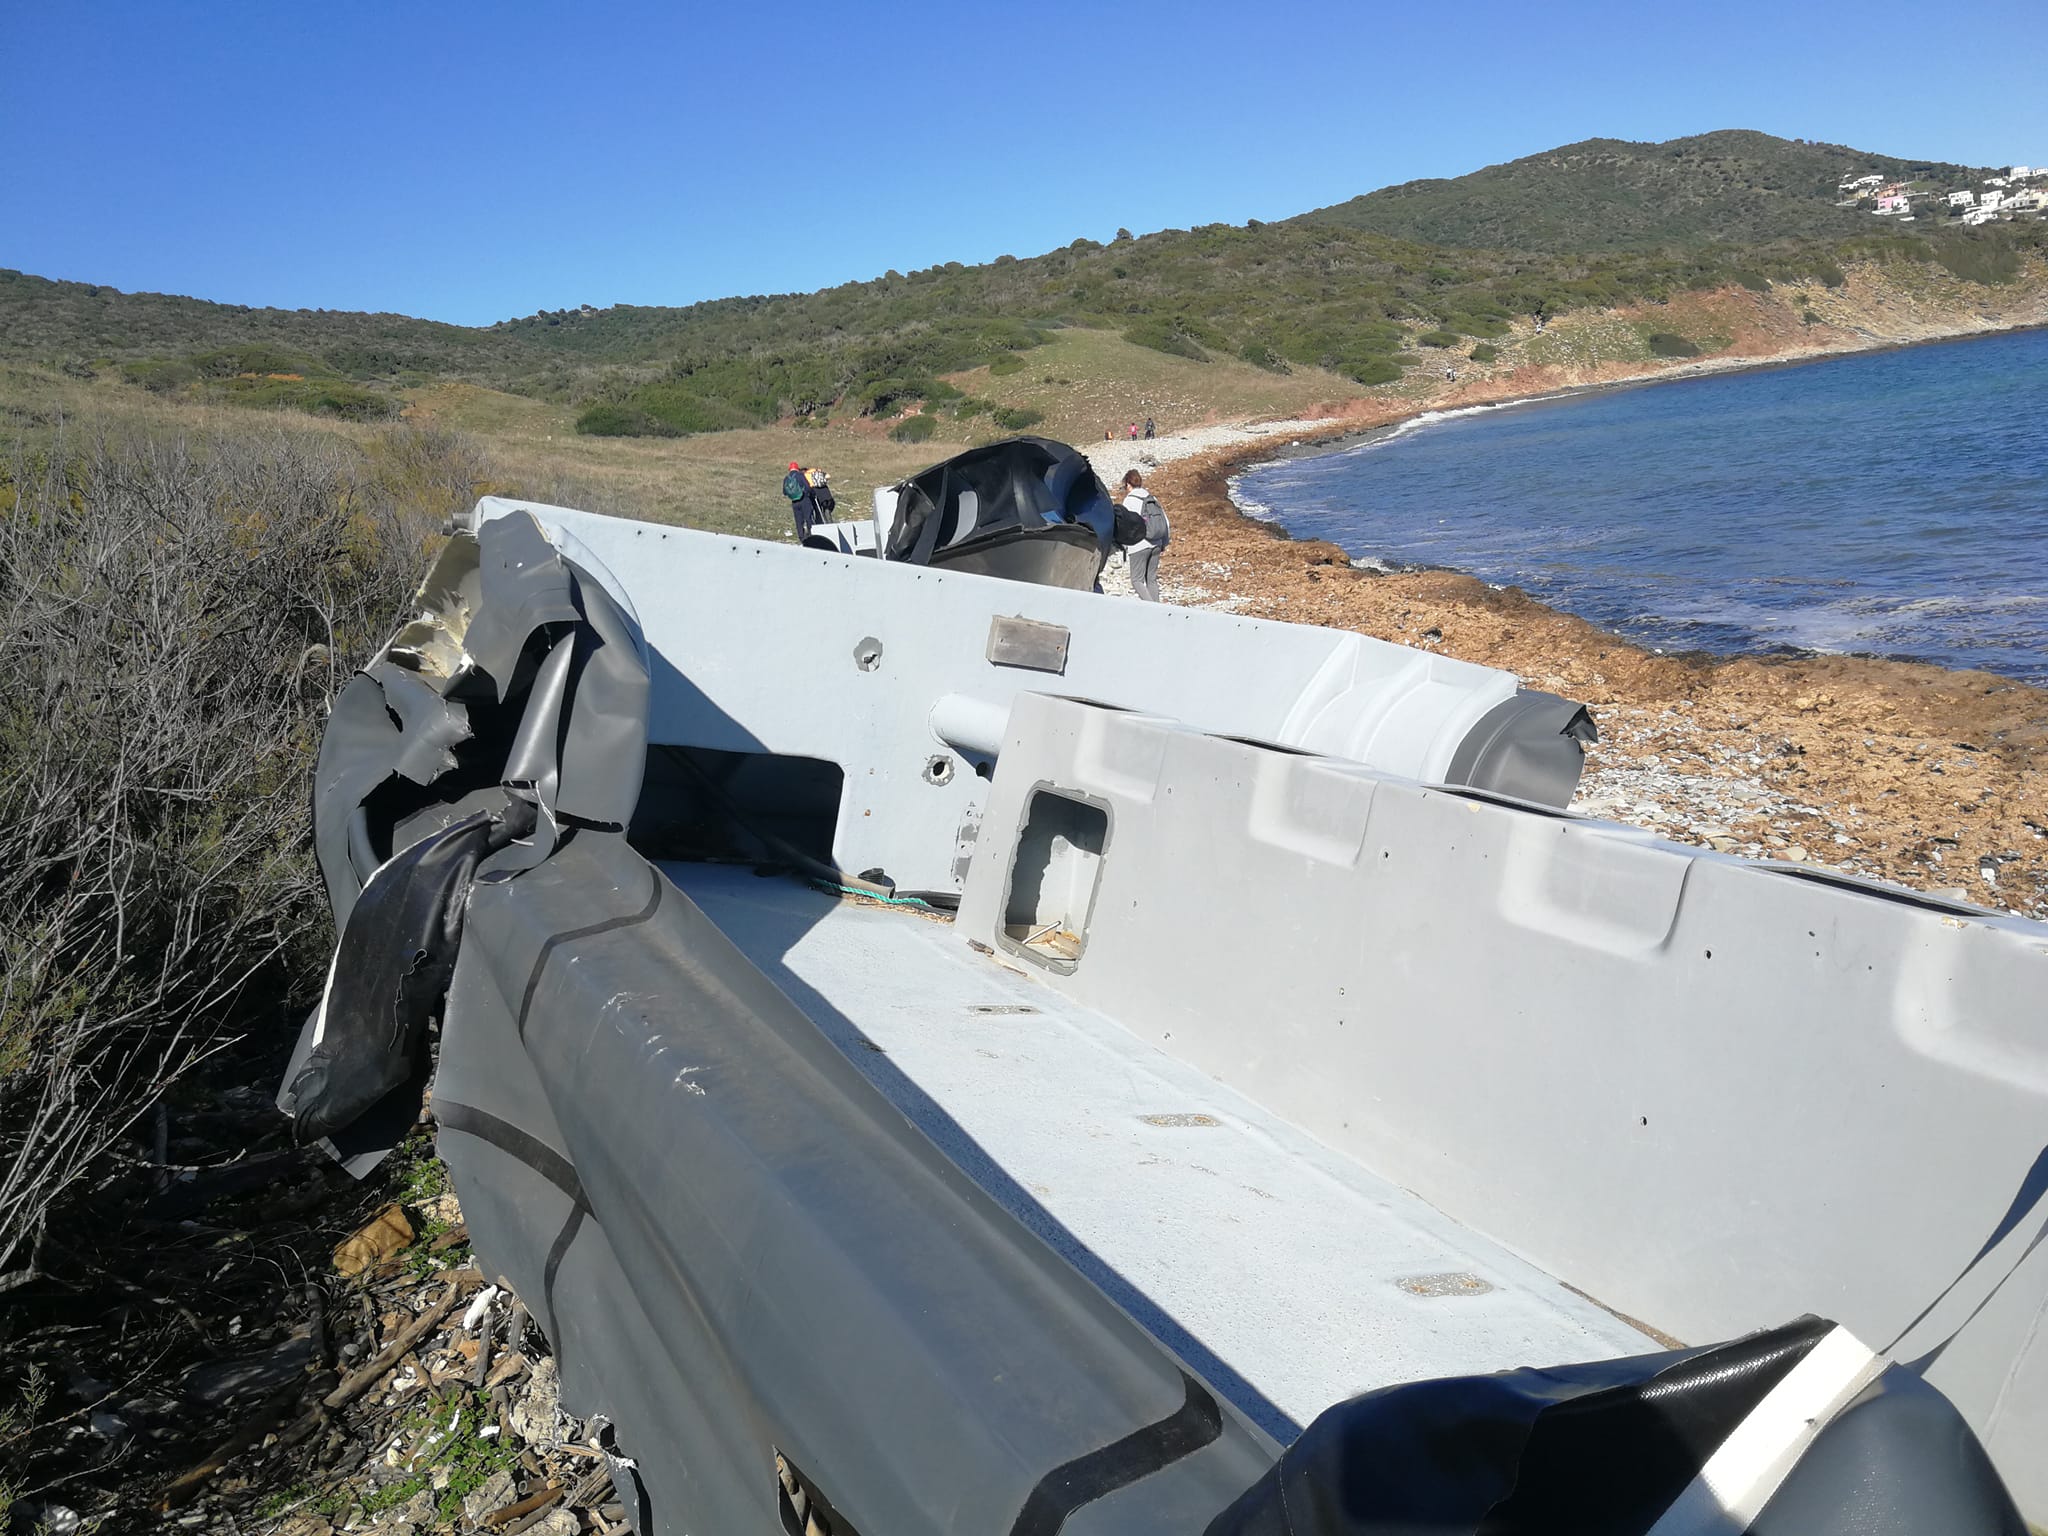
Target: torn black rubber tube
x: 391, y: 971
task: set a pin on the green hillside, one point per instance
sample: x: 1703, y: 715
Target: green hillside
x: 1731, y: 187
x: 1595, y: 225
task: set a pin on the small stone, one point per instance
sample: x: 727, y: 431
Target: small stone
x: 1796, y: 854
x: 557, y: 1522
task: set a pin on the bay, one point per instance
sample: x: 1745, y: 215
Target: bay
x: 1890, y: 503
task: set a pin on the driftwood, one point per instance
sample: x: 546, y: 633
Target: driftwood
x: 354, y: 1385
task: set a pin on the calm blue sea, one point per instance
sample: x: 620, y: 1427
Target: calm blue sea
x: 1891, y: 504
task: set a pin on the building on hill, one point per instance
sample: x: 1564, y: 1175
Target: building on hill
x: 1961, y: 199
x: 1991, y: 199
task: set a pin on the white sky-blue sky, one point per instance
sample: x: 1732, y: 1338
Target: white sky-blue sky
x: 471, y: 162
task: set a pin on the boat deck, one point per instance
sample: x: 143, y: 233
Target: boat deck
x: 1286, y: 1274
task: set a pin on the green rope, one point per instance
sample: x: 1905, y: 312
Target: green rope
x: 893, y: 901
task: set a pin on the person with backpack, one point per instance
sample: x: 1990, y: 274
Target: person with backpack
x: 1153, y: 530
x: 821, y: 494
x: 811, y: 501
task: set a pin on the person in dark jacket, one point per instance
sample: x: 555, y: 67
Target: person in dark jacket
x: 803, y: 500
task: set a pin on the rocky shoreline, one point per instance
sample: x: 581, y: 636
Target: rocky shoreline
x: 1896, y: 771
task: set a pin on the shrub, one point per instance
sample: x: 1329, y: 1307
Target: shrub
x: 1808, y: 317
x: 1015, y: 418
x: 1477, y: 325
x: 1831, y: 276
x: 1373, y: 370
x: 162, y: 375
x: 1485, y: 352
x: 1665, y: 344
x: 1979, y: 261
x: 1007, y: 364
x: 1259, y: 355
x: 1438, y: 339
x: 319, y: 397
x: 1161, y: 334
x: 970, y: 407
x: 1755, y: 282
x: 255, y: 357
x: 680, y: 409
x: 612, y: 420
x: 174, y: 617
x: 915, y: 429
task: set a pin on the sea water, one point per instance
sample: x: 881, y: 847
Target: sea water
x: 1890, y: 503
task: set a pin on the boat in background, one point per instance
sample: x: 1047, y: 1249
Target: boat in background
x: 1025, y: 509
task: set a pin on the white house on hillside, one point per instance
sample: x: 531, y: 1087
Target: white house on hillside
x: 1961, y: 199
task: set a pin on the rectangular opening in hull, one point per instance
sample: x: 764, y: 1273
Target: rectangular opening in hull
x: 1053, y: 878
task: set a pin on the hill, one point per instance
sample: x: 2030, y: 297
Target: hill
x: 1732, y: 187
x: 1598, y: 226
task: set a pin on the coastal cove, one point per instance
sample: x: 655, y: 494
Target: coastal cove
x: 1883, y: 503
x: 1929, y: 778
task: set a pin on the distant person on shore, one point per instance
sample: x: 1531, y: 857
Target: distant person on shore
x: 1151, y: 429
x: 803, y: 500
x: 1144, y: 554
x: 1134, y: 431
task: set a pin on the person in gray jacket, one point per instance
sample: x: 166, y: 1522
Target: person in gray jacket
x: 1144, y: 555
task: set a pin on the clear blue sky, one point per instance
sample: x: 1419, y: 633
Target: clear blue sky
x: 474, y: 161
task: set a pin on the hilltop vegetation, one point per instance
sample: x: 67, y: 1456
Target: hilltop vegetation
x: 1591, y: 226
x: 1734, y: 187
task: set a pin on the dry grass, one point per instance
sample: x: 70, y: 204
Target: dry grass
x: 1088, y: 382
x: 730, y: 482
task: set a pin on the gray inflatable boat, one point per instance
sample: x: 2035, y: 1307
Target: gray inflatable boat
x: 947, y: 1054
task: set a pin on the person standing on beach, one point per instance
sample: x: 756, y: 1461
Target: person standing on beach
x: 1134, y: 432
x: 1151, y: 428
x: 1144, y: 555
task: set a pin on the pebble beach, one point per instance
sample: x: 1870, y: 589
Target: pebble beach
x: 1925, y: 778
